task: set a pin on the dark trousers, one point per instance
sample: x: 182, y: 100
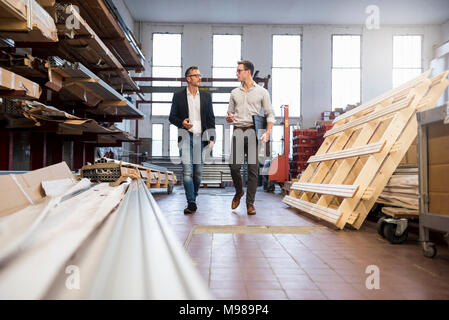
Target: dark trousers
x: 253, y: 169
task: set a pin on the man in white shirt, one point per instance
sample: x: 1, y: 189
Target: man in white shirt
x: 247, y: 100
x: 192, y: 111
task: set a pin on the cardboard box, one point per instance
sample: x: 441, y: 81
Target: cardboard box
x: 438, y: 161
x: 438, y: 203
x: 21, y: 190
x: 11, y: 81
x: 438, y: 144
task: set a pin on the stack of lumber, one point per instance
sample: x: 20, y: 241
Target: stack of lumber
x: 75, y: 82
x: 402, y: 189
x: 110, y: 170
x: 26, y: 20
x: 13, y: 85
x: 82, y: 44
x: 105, y: 20
x: 25, y: 65
x: 77, y: 240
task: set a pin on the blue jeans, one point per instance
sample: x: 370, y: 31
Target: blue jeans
x: 192, y: 166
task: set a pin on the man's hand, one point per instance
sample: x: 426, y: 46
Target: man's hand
x: 230, y: 117
x: 265, y: 137
x: 211, y: 144
x: 186, y: 123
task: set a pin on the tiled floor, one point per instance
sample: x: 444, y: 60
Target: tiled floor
x: 330, y: 264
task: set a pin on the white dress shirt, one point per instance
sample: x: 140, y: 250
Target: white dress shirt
x: 246, y: 104
x: 194, y: 112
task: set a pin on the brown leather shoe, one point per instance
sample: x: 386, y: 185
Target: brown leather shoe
x: 236, y: 200
x: 250, y: 209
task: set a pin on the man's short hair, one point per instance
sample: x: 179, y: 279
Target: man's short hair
x: 248, y: 65
x: 190, y: 69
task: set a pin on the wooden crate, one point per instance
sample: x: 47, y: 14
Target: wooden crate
x: 361, y: 152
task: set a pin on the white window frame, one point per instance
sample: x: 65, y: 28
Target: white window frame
x: 299, y: 68
x: 353, y: 68
x: 178, y: 83
x: 223, y: 84
x: 399, y: 68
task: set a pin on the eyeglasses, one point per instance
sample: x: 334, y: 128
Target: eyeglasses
x: 195, y: 75
x: 240, y: 70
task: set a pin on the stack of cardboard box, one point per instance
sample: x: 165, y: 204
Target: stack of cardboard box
x: 304, y: 146
x: 329, y: 115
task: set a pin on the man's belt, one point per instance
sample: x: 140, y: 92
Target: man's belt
x: 244, y: 128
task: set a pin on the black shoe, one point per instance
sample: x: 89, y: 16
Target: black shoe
x: 191, y: 208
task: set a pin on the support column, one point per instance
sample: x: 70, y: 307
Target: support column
x: 90, y: 152
x: 6, y: 150
x: 38, y: 150
x: 56, y: 148
x: 79, y: 155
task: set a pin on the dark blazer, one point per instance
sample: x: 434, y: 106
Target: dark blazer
x: 180, y: 111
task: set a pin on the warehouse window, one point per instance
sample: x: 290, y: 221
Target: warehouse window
x: 276, y: 144
x: 156, y: 135
x: 166, y: 63
x: 346, y: 80
x: 406, y: 58
x: 218, y: 146
x: 174, y: 150
x: 286, y: 71
x: 226, y: 53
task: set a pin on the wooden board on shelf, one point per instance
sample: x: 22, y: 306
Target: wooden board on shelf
x: 12, y: 84
x: 22, y: 20
x: 90, y: 50
x: 105, y: 24
x: 363, y: 149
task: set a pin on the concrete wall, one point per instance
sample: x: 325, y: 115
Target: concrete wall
x: 441, y: 64
x: 445, y: 60
x: 124, y: 12
x: 316, y: 57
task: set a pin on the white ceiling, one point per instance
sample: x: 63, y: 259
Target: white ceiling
x: 288, y: 11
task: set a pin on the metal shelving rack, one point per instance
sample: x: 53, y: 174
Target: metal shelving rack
x: 429, y: 220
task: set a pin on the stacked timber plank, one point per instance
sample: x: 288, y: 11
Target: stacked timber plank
x: 16, y: 86
x: 110, y: 170
x: 77, y: 83
x: 216, y: 175
x: 362, y: 151
x: 25, y: 65
x: 82, y: 44
x: 78, y: 240
x: 103, y: 18
x: 402, y: 189
x: 26, y: 20
x: 33, y: 113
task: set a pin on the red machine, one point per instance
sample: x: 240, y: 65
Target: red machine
x: 279, y: 168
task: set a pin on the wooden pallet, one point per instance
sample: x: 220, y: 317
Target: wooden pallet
x: 361, y: 152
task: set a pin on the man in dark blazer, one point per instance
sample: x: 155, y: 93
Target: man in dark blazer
x: 192, y: 113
